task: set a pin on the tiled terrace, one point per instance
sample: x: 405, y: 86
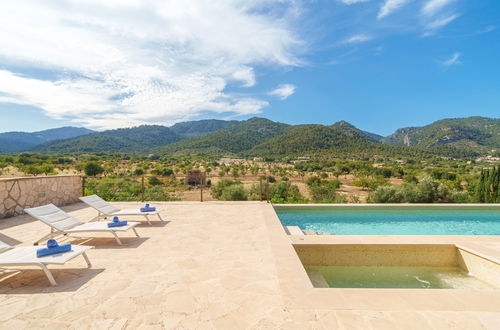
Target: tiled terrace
x: 221, y: 266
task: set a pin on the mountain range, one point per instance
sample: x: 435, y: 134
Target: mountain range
x: 461, y: 137
x: 23, y: 141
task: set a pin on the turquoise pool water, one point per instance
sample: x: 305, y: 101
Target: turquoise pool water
x: 416, y: 220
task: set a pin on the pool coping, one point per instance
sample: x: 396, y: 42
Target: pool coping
x: 298, y: 291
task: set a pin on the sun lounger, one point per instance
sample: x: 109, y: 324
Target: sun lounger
x: 106, y: 209
x: 26, y: 256
x: 61, y: 223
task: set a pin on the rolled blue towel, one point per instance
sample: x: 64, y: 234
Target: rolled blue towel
x: 148, y: 208
x: 117, y: 223
x: 53, y: 248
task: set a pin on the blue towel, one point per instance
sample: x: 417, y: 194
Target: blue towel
x: 53, y: 248
x: 117, y: 223
x: 148, y: 208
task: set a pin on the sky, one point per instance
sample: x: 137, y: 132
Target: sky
x: 378, y: 64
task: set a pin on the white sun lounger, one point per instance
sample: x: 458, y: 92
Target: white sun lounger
x: 106, y: 209
x: 26, y: 256
x: 61, y: 223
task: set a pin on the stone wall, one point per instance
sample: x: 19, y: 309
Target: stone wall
x: 17, y: 194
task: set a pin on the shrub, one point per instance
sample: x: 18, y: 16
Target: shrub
x: 370, y: 183
x: 219, y: 187
x: 426, y: 191
x: 325, y: 192
x: 285, y: 192
x: 385, y: 194
x: 156, y: 193
x: 138, y: 171
x: 234, y: 193
x: 154, y: 181
x: 93, y: 169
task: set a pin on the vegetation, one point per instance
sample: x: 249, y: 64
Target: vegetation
x: 235, y: 138
x: 345, y: 164
x: 453, y: 137
x: 487, y: 188
x: 140, y: 138
x: 260, y: 137
x: 126, y: 189
x: 324, y: 191
x: 93, y: 169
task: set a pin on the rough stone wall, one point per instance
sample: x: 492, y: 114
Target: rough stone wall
x: 17, y: 194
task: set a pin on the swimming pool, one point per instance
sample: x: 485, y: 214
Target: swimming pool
x: 394, y: 220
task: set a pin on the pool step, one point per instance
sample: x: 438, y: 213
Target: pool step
x: 317, y: 279
x: 293, y: 230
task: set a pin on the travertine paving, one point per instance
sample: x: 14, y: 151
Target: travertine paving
x: 213, y: 266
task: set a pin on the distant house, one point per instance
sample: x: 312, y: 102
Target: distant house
x: 195, y: 178
x: 226, y: 160
x: 302, y: 159
x: 258, y: 159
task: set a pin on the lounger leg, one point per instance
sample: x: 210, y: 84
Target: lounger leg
x: 84, y: 254
x: 159, y: 216
x: 48, y: 274
x: 135, y: 231
x: 147, y: 219
x: 117, y: 238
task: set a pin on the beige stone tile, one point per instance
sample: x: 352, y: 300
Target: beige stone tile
x: 221, y: 266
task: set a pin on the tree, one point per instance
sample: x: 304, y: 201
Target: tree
x: 93, y: 169
x: 487, y: 188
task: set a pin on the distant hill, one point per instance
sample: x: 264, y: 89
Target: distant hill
x: 197, y: 128
x: 136, y: 139
x: 22, y: 141
x: 340, y: 139
x: 351, y: 129
x: 459, y: 138
x: 472, y: 135
x: 233, y: 139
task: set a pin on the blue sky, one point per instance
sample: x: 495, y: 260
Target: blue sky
x: 379, y: 64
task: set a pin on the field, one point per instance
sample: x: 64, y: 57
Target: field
x: 383, y: 180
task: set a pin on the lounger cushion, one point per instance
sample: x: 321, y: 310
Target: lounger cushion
x: 54, y: 217
x: 99, y: 204
x: 27, y: 255
x: 100, y: 226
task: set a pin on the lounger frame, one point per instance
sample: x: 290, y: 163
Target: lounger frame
x: 61, y: 223
x: 106, y: 209
x: 19, y: 257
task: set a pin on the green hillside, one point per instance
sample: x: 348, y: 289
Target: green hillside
x: 233, y: 139
x: 472, y: 135
x: 336, y: 140
x: 137, y: 139
x: 196, y: 128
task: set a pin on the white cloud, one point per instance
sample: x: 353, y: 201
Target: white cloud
x: 127, y: 62
x: 432, y: 7
x: 453, y: 60
x: 357, y: 38
x: 350, y: 2
x: 389, y: 6
x: 434, y: 25
x: 283, y: 91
